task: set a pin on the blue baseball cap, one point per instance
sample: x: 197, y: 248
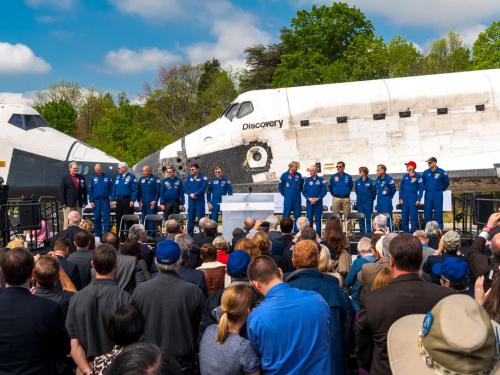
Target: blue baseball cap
x: 168, y: 252
x: 237, y: 264
x: 453, y: 268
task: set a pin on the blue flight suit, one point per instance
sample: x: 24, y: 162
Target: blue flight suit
x: 100, y: 188
x: 411, y: 190
x: 385, y: 191
x: 148, y: 190
x: 196, y: 185
x: 365, y: 195
x: 341, y: 185
x: 434, y: 184
x: 290, y: 188
x: 172, y: 191
x: 217, y: 187
x: 124, y: 191
x: 314, y: 188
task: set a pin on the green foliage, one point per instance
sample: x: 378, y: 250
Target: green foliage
x: 68, y: 91
x: 262, y: 62
x: 403, y: 58
x: 60, y: 114
x: 486, y: 49
x: 447, y: 55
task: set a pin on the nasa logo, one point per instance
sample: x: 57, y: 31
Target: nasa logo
x: 96, y: 179
x: 367, y: 185
x: 336, y: 179
x: 216, y: 182
x: 106, y: 179
x: 191, y: 180
x: 265, y: 124
x: 143, y: 180
x: 310, y: 183
x: 167, y: 184
x: 317, y: 182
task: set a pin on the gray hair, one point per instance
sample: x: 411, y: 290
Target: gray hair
x: 172, y: 226
x: 386, y: 241
x: 184, y: 241
x: 210, y: 225
x: 364, y: 245
x: 432, y: 229
x: 168, y: 267
x: 202, y: 221
x: 135, y: 231
x: 273, y: 221
x: 421, y: 235
x: 221, y: 243
x: 73, y: 164
x: 380, y: 222
x: 302, y: 222
x: 122, y: 164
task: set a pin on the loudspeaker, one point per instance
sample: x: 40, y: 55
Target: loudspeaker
x: 29, y: 215
x: 483, y: 209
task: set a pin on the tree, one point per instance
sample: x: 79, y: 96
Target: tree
x: 209, y: 72
x: 403, y: 58
x: 212, y: 101
x: 447, y: 55
x: 486, y: 49
x: 60, y: 114
x: 70, y: 92
x: 262, y: 62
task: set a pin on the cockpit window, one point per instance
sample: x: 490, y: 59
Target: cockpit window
x: 245, y: 109
x: 27, y: 122
x: 231, y: 112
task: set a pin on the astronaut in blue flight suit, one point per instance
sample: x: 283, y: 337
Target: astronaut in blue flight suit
x: 411, y: 190
x: 171, y: 194
x: 124, y: 192
x: 195, y: 186
x: 148, y: 193
x: 366, y: 192
x: 385, y: 192
x: 217, y: 187
x: 290, y: 187
x: 435, y: 182
x: 100, y: 187
x: 314, y: 191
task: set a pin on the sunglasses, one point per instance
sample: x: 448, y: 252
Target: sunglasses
x: 339, y: 167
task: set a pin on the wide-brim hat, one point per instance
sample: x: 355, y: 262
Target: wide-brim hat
x: 457, y: 337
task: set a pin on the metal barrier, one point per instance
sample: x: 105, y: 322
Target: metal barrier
x: 471, y: 212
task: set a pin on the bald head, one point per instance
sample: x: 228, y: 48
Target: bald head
x: 248, y: 223
x: 74, y: 218
x: 422, y: 236
x: 495, y: 245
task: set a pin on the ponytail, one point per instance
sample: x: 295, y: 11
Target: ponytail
x: 222, y: 328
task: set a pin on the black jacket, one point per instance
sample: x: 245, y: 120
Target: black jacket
x: 405, y: 295
x: 33, y: 334
x: 82, y: 258
x: 55, y: 294
x: 480, y: 263
x: 69, y: 235
x: 69, y: 194
x: 194, y: 277
x: 71, y: 270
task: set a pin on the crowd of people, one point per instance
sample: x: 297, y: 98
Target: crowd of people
x: 271, y: 301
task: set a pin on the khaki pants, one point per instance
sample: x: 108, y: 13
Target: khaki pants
x: 344, y: 205
x: 66, y: 211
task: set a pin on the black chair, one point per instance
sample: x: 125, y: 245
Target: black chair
x: 157, y: 220
x: 125, y: 223
x: 355, y: 217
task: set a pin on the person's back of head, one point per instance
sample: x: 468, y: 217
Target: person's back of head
x: 137, y: 359
x: 248, y: 223
x: 16, y: 242
x: 273, y: 222
x: 61, y: 246
x: 17, y: 266
x: 302, y: 223
x: 238, y: 232
x: 135, y: 231
x: 386, y: 242
x: 210, y: 228
x: 248, y: 245
x: 308, y: 233
x: 132, y: 247
x: 422, y: 236
x: 383, y: 278
x: 236, y: 302
x: 264, y: 227
x: 333, y: 236
x: 365, y: 246
x: 111, y: 239
x: 185, y: 242
x: 104, y: 259
x: 172, y: 226
x: 305, y: 254
x: 452, y: 242
x: 263, y: 270
x: 406, y: 253
x: 495, y: 245
x: 380, y: 223
x: 286, y: 225
x: 262, y: 242
x: 46, y: 271
x: 202, y: 223
x: 208, y: 253
x: 82, y: 239
x: 87, y: 225
x: 126, y: 325
x: 325, y: 263
x: 74, y: 218
x: 220, y: 243
x: 432, y: 229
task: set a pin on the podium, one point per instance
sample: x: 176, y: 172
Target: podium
x: 235, y: 208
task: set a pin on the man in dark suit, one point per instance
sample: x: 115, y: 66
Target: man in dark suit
x: 61, y: 251
x: 32, y: 336
x: 82, y: 257
x: 73, y: 192
x: 406, y: 294
x: 187, y: 273
x: 70, y: 232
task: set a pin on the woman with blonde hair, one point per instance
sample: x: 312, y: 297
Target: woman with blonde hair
x: 222, y: 350
x: 325, y: 264
x: 87, y: 225
x: 250, y: 246
x: 262, y: 241
x: 383, y: 278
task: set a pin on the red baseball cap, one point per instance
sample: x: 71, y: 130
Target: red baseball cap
x: 412, y: 163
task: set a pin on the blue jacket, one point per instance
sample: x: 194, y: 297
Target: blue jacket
x: 341, y: 185
x: 148, y: 189
x: 435, y: 181
x: 196, y: 185
x: 291, y: 187
x: 411, y: 188
x: 314, y: 188
x: 100, y: 187
x: 301, y: 350
x: 124, y: 186
x: 172, y: 189
x: 385, y: 189
x: 340, y: 311
x: 217, y: 188
x: 365, y: 191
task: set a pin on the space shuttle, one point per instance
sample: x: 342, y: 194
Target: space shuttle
x: 34, y: 156
x: 454, y: 117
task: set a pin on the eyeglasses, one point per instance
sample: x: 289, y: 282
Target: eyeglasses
x: 218, y: 172
x: 339, y: 167
x: 192, y: 169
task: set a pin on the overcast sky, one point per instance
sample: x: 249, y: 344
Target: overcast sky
x: 117, y: 45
